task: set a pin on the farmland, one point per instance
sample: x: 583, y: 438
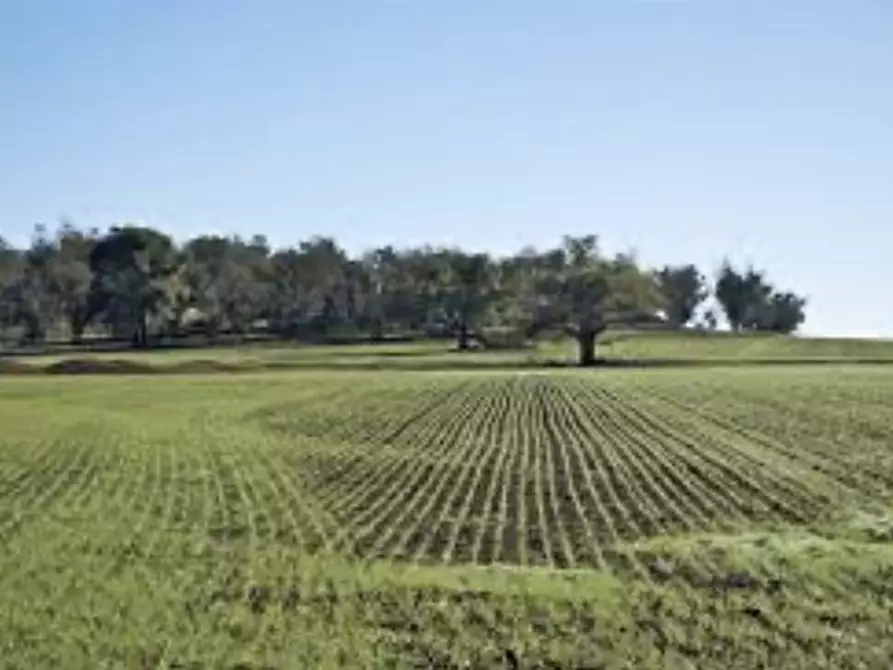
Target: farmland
x: 620, y: 346
x: 729, y: 516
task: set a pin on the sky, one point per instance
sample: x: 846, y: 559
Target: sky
x: 687, y: 130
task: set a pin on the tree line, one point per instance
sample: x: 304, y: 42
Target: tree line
x: 135, y: 283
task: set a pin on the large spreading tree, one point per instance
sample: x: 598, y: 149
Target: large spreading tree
x: 583, y: 292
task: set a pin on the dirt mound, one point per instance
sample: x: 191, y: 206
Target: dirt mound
x: 112, y: 366
x: 119, y: 366
x: 98, y: 366
x: 14, y: 367
x: 203, y: 366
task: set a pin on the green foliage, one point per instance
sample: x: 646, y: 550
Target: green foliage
x: 711, y: 518
x: 223, y: 279
x: 131, y: 267
x: 10, y: 271
x: 47, y: 283
x: 683, y: 289
x: 780, y: 313
x: 469, y: 289
x: 73, y: 276
x: 585, y: 293
x: 751, y: 303
x: 135, y: 283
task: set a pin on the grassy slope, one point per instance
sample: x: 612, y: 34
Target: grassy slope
x: 656, y: 347
x: 109, y: 486
x: 694, y: 346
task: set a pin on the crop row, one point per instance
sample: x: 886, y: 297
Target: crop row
x: 557, y: 470
x: 179, y: 519
x: 546, y: 470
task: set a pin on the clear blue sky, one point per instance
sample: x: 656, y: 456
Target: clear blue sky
x: 688, y: 130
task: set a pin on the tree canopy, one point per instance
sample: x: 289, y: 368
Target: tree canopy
x: 136, y: 283
x: 750, y: 302
x: 683, y: 289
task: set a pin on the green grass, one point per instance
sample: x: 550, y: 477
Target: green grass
x: 728, y: 517
x: 748, y: 347
x: 647, y: 348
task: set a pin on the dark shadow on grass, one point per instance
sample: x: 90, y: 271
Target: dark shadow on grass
x: 376, y: 354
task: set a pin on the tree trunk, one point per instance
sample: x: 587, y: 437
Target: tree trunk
x: 586, y: 343
x: 77, y: 324
x: 463, y: 336
x: 211, y: 329
x: 376, y: 334
x: 34, y: 330
x: 140, y: 337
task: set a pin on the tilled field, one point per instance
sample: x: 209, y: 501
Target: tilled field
x: 197, y: 506
x: 562, y: 470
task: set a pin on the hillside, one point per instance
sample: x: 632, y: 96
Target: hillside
x: 645, y: 348
x: 704, y: 345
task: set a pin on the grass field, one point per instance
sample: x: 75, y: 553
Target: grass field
x: 708, y: 346
x: 646, y: 348
x: 678, y: 517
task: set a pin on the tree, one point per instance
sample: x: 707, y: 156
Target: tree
x: 10, y: 272
x: 377, y: 279
x: 752, y: 303
x: 683, y: 290
x: 289, y: 293
x: 741, y: 295
x: 136, y: 281
x: 585, y: 293
x: 425, y: 289
x: 469, y: 289
x: 32, y: 297
x: 222, y: 281
x: 131, y: 267
x: 323, y: 265
x: 52, y: 283
x: 782, y: 313
x: 72, y: 277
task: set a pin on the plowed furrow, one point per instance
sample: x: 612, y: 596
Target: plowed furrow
x: 659, y: 514
x: 524, y: 487
x: 694, y: 500
x: 731, y: 421
x: 730, y: 485
x: 403, y: 431
x: 583, y: 480
x: 433, y: 509
x: 559, y: 504
x: 366, y: 495
x: 17, y: 478
x: 625, y: 514
x: 396, y: 501
x: 46, y: 485
x: 616, y: 510
x: 860, y: 436
x: 470, y: 520
x: 684, y: 509
x: 780, y: 493
x: 506, y: 541
x: 491, y: 521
